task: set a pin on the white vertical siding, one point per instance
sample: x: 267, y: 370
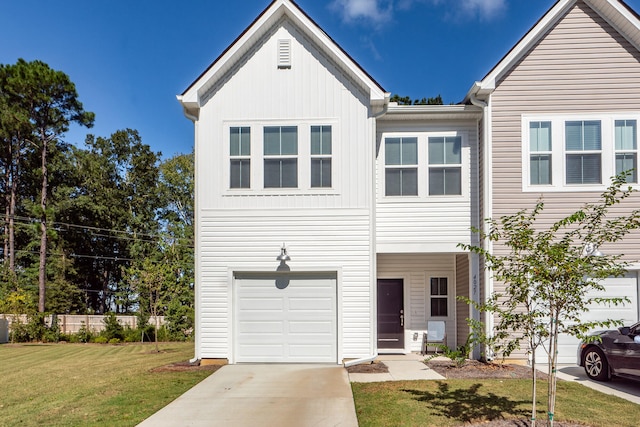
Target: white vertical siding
x: 324, y: 229
x: 258, y: 93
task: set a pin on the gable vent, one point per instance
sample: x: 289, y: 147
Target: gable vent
x: 284, y: 53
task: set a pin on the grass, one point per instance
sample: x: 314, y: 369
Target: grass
x: 89, y: 384
x: 455, y: 402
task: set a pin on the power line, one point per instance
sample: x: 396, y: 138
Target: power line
x: 155, y: 237
x: 97, y: 257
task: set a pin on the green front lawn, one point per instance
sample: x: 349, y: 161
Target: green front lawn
x: 455, y: 402
x: 89, y: 384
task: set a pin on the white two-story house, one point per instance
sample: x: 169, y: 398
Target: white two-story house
x: 327, y: 218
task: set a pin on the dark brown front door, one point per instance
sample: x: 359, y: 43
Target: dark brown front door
x: 390, y: 313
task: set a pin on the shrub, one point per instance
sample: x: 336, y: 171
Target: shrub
x: 35, y: 329
x: 100, y: 340
x: 114, y: 341
x: 84, y: 334
x: 112, y: 328
x: 180, y: 320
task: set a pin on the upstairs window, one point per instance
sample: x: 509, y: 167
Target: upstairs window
x: 578, y: 152
x: 627, y: 148
x: 445, y: 166
x: 583, y: 144
x: 320, y: 156
x: 540, y: 166
x: 240, y: 157
x: 401, y: 166
x: 281, y: 157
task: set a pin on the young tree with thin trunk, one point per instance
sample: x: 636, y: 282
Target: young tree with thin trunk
x: 550, y: 276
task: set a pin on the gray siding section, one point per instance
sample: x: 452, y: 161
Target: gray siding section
x: 581, y: 65
x: 462, y: 289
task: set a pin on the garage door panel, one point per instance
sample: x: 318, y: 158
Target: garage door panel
x: 253, y: 328
x: 310, y: 327
x: 262, y: 304
x: 268, y: 352
x: 280, y: 324
x: 310, y: 351
x: 312, y: 304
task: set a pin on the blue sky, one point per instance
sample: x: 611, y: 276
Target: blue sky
x: 130, y: 58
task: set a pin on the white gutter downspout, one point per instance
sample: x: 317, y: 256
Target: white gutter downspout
x: 196, y: 357
x: 375, y: 117
x: 360, y: 361
x: 487, y: 183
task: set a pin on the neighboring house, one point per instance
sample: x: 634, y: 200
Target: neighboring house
x: 562, y: 116
x: 297, y: 145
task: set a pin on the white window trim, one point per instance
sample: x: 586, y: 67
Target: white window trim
x: 304, y: 157
x: 451, y: 297
x: 239, y: 157
x: 423, y: 167
x: 446, y: 166
x: 321, y: 157
x: 559, y: 152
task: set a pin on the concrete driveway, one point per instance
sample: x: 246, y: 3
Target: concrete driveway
x: 264, y: 395
x: 621, y: 387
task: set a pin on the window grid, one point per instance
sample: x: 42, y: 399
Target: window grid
x: 540, y: 158
x: 240, y: 157
x: 583, y: 144
x: 401, y: 166
x: 445, y: 180
x: 280, y: 156
x: 439, y: 296
x: 321, y: 150
x: 626, y: 149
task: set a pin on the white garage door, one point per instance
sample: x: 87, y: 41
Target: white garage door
x: 285, y: 318
x: 620, y: 287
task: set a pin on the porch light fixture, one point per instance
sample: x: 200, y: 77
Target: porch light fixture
x: 283, y: 257
x: 591, y: 249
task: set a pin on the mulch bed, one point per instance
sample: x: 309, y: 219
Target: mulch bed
x: 368, y: 368
x: 480, y: 370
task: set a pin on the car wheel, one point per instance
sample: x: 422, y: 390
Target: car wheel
x: 596, y: 365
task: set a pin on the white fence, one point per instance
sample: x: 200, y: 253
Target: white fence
x: 71, y: 323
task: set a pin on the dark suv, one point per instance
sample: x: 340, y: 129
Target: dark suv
x: 616, y: 353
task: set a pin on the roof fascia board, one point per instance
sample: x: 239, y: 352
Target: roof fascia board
x: 622, y: 9
x: 416, y: 112
x: 274, y: 12
x: 190, y: 95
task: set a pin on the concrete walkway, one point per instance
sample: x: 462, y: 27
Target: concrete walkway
x: 402, y: 367
x: 264, y: 395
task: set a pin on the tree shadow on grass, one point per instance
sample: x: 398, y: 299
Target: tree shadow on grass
x: 470, y: 404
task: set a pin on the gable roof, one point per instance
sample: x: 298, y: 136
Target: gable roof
x: 278, y: 9
x: 616, y: 12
